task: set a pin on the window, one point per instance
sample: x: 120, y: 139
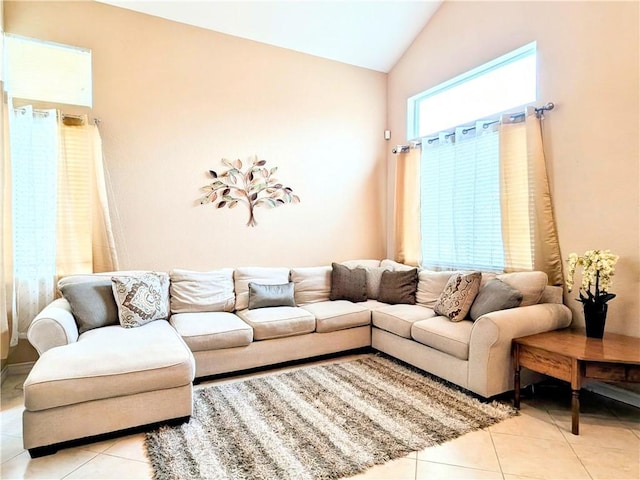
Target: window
x: 504, y: 83
x: 461, y: 217
x: 49, y: 72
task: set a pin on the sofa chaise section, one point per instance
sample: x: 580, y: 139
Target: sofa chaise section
x: 103, y: 380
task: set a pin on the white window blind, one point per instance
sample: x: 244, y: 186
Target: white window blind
x: 45, y: 71
x: 460, y: 200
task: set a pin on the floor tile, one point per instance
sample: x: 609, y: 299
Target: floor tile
x: 609, y: 463
x: 50, y: 467
x: 401, y: 469
x: 436, y: 471
x: 108, y: 467
x: 597, y: 431
x: 530, y: 423
x: 538, y: 458
x: 131, y: 447
x: 473, y: 450
x: 10, y: 447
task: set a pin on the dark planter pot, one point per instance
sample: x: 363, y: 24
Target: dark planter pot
x: 595, y: 316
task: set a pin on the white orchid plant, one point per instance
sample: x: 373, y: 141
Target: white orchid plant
x: 598, y: 267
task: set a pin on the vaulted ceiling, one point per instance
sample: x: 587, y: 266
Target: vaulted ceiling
x: 369, y: 34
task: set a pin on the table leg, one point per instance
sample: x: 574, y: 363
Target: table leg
x: 516, y: 376
x: 575, y: 412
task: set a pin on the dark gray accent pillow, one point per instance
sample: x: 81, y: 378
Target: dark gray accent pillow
x: 348, y: 284
x: 261, y: 296
x: 92, y: 303
x: 398, y: 286
x: 493, y: 296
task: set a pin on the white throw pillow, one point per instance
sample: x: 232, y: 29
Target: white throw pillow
x: 202, y: 291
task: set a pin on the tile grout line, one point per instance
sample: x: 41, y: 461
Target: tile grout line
x: 80, y: 466
x: 495, y: 451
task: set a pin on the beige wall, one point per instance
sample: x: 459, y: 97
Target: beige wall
x: 588, y: 66
x: 175, y: 99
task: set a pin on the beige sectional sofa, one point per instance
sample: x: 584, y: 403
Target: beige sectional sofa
x: 92, y: 379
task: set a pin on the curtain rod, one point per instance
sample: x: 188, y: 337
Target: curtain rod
x: 74, y: 118
x: 515, y: 116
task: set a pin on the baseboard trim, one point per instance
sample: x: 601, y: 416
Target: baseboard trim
x: 16, y: 369
x: 614, y: 392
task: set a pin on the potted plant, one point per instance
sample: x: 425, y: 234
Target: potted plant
x: 598, y: 267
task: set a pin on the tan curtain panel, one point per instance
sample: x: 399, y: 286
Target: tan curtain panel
x: 407, y: 207
x: 85, y: 238
x: 529, y: 231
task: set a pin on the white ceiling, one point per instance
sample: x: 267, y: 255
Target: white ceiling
x: 371, y: 34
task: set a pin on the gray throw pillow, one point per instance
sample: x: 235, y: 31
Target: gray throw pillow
x: 399, y: 286
x: 348, y: 284
x: 493, y: 296
x: 92, y: 303
x: 261, y: 296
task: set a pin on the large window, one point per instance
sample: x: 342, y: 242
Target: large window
x: 461, y: 207
x: 506, y: 82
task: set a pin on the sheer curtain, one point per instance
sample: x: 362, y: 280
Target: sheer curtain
x: 57, y: 216
x: 484, y: 199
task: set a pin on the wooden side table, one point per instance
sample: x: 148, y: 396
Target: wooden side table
x: 571, y: 356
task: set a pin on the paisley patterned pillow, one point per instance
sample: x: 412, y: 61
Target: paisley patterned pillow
x: 458, y: 296
x: 141, y: 299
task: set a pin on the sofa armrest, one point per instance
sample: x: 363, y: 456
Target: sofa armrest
x: 53, y: 326
x: 490, y: 364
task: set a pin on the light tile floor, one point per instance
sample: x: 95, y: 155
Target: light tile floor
x: 537, y: 444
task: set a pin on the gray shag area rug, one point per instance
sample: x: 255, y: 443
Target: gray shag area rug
x: 321, y: 422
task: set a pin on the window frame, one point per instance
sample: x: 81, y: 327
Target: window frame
x: 413, y: 103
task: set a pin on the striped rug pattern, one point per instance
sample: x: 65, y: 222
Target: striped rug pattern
x: 322, y: 422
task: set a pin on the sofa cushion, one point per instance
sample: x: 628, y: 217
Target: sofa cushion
x: 276, y: 322
x: 135, y: 360
x: 493, y: 296
x: 530, y: 284
x: 431, y: 285
x: 373, y: 305
x: 141, y: 298
x: 212, y: 330
x: 312, y: 284
x: 348, y: 284
x: 399, y: 286
x: 338, y: 315
x: 361, y: 263
x: 263, y: 296
x: 440, y: 333
x: 263, y: 275
x: 92, y: 302
x: 458, y: 295
x: 202, y: 291
x: 399, y: 318
x: 395, y: 266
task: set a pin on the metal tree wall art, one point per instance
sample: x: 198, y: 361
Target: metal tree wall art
x: 254, y: 187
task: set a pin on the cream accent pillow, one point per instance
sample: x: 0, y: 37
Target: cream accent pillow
x: 374, y: 277
x: 202, y: 291
x: 530, y: 284
x: 263, y: 275
x: 312, y: 284
x: 141, y: 299
x: 458, y: 296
